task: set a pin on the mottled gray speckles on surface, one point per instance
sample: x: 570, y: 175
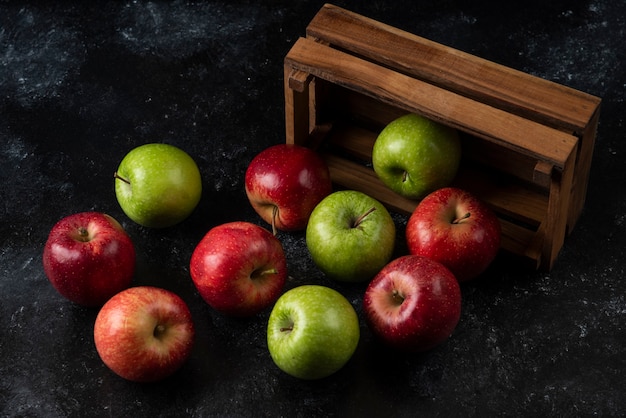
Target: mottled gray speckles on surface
x: 169, y: 30
x: 18, y: 170
x: 572, y: 57
x: 36, y: 60
x: 575, y: 58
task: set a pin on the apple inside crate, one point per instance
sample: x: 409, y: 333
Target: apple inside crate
x: 527, y: 142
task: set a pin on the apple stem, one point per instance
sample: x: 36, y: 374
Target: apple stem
x: 397, y: 297
x: 257, y: 274
x: 158, y: 331
x: 274, y: 214
x: 360, y: 219
x: 83, y: 234
x: 404, y: 176
x: 117, y: 176
x: 458, y: 220
x: 288, y: 328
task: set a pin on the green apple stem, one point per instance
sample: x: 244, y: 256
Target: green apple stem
x: 288, y: 328
x: 117, y: 176
x: 274, y: 215
x: 458, y: 220
x: 360, y: 219
x: 405, y: 175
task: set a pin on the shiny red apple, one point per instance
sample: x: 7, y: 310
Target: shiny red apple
x: 454, y: 227
x: 413, y: 304
x: 284, y: 183
x: 144, y: 333
x: 239, y: 268
x: 88, y: 258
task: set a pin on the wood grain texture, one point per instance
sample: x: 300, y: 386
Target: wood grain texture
x: 520, y: 93
x: 527, y: 142
x: 475, y: 118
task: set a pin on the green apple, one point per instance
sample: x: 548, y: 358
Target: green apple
x: 312, y: 332
x: 350, y: 236
x: 158, y: 185
x: 414, y: 156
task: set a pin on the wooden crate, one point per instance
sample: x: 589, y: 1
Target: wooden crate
x: 527, y: 142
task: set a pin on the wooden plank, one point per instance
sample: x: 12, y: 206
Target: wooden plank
x: 367, y: 110
x: 517, y: 92
x: 519, y: 241
x: 542, y: 173
x: 299, y: 81
x: 510, y: 198
x: 353, y: 140
x: 581, y: 174
x: 296, y: 106
x: 510, y: 131
x: 557, y: 212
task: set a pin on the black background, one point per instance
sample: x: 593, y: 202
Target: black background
x: 83, y: 83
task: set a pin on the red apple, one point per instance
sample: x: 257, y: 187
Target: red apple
x: 413, y: 304
x: 88, y: 258
x: 284, y: 183
x: 457, y: 229
x: 239, y: 268
x: 144, y: 334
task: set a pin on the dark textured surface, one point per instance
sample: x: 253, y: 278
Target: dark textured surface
x: 82, y: 84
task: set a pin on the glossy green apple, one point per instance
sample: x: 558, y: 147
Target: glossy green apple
x: 158, y: 185
x: 350, y: 236
x: 414, y: 156
x: 312, y: 332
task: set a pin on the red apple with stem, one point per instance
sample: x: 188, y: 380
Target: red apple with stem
x: 413, y: 304
x: 88, y: 258
x: 144, y: 334
x: 454, y: 227
x: 284, y: 183
x: 239, y: 268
